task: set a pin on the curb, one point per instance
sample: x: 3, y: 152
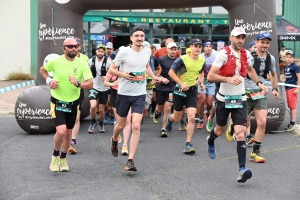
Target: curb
x: 16, y: 86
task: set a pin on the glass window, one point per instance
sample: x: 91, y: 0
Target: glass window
x: 144, y: 10
x: 279, y: 7
x: 199, y: 29
x: 85, y: 27
x: 220, y: 29
x: 219, y: 10
x: 119, y: 27
x: 161, y: 28
x: 200, y: 10
x: 145, y: 26
x: 182, y: 10
x: 159, y: 10
x: 220, y: 42
x: 99, y: 27
x: 157, y: 40
x: 181, y: 29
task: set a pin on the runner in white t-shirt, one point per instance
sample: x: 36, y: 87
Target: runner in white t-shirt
x: 230, y: 68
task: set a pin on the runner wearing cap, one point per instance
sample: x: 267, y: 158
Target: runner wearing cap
x: 109, y: 48
x: 252, y: 45
x: 165, y: 89
x: 206, y: 97
x: 292, y: 74
x: 187, y: 72
x: 99, y: 94
x: 230, y: 68
x: 80, y: 55
x: 263, y: 63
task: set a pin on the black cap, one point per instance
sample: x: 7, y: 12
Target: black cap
x: 136, y: 28
x: 196, y: 41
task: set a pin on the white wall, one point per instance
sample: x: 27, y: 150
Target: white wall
x: 14, y: 36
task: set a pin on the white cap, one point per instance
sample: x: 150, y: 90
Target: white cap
x: 238, y: 31
x: 146, y: 44
x: 171, y: 44
x: 109, y: 45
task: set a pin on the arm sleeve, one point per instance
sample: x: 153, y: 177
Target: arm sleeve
x: 177, y: 64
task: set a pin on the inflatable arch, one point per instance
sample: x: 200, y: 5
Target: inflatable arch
x: 59, y: 19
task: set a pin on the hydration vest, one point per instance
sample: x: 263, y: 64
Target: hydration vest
x: 228, y: 69
x: 257, y: 63
x: 103, y: 67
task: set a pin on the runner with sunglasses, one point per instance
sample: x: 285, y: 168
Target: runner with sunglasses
x: 68, y: 71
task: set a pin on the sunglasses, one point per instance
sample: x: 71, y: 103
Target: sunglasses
x: 71, y: 46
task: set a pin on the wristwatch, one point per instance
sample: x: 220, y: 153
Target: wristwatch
x: 78, y: 84
x: 275, y: 89
x: 259, y: 82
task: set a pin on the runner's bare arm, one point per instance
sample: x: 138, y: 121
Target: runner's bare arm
x: 43, y: 73
x: 158, y: 70
x: 213, y: 75
x: 87, y: 84
x: 150, y: 73
x: 113, y: 70
x: 253, y: 75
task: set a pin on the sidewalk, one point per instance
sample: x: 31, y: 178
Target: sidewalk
x: 8, y: 99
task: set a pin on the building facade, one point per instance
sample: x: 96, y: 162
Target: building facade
x: 20, y: 28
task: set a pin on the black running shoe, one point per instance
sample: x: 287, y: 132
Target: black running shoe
x: 130, y: 166
x: 114, y: 149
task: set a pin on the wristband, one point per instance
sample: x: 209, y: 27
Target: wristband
x: 259, y: 83
x: 48, y: 80
x: 275, y: 89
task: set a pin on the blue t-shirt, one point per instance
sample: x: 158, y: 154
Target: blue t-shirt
x: 112, y: 56
x: 291, y: 75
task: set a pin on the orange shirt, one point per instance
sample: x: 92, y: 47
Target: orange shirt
x: 163, y: 52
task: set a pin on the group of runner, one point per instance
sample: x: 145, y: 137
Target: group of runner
x: 228, y: 84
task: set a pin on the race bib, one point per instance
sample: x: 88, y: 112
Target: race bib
x: 255, y: 95
x: 233, y: 101
x: 178, y: 91
x: 170, y: 97
x: 63, y: 106
x: 139, y: 77
x: 93, y: 93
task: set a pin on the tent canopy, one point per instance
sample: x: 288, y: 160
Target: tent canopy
x: 287, y: 31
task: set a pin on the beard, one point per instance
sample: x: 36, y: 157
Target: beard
x: 71, y: 55
x: 99, y: 56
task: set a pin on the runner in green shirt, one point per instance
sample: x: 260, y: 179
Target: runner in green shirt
x: 68, y: 70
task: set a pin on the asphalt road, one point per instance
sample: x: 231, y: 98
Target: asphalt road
x: 164, y: 172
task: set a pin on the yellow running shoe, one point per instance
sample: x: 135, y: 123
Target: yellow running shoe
x: 64, y: 165
x: 124, y: 151
x: 229, y: 132
x: 255, y: 157
x: 54, y: 165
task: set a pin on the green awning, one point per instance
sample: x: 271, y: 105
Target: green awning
x: 169, y: 20
x: 92, y: 19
